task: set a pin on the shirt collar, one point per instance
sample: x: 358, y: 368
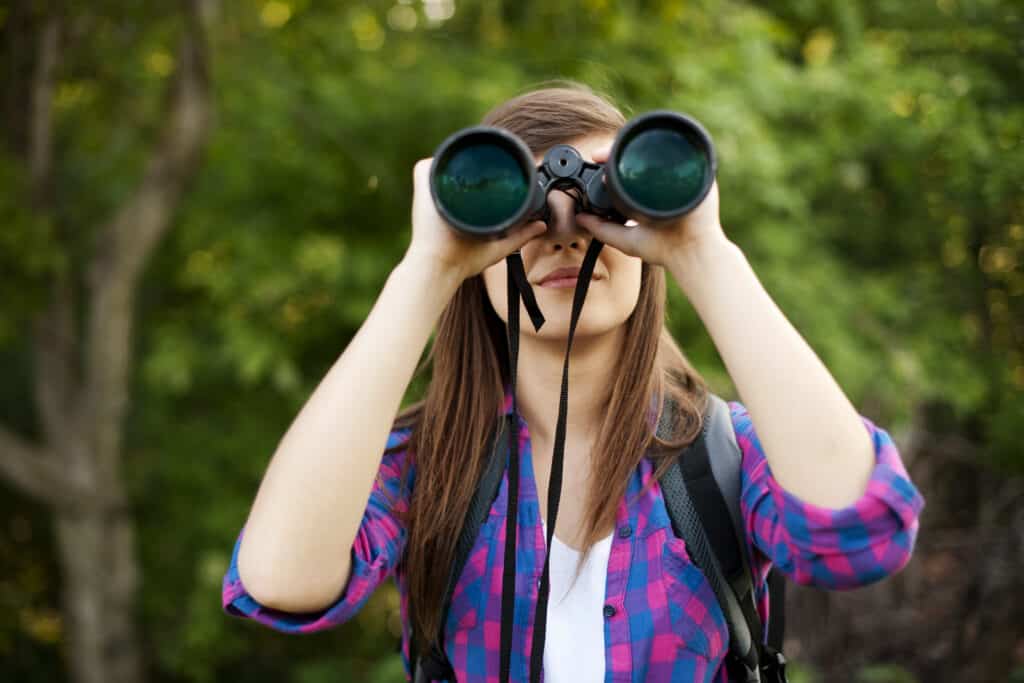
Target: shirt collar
x: 506, y: 406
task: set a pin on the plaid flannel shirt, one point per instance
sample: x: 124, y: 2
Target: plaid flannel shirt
x: 661, y: 619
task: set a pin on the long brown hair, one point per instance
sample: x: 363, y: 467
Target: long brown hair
x: 469, y: 365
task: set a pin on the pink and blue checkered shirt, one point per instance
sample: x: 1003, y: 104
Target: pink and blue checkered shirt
x: 662, y: 622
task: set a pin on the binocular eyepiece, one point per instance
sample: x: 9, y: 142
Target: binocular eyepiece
x: 484, y: 182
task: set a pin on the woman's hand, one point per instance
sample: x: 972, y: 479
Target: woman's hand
x: 435, y: 241
x: 662, y: 242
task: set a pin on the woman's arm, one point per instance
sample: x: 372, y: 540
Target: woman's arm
x: 815, y: 442
x: 294, y: 554
x: 376, y: 552
x: 313, y: 495
x: 813, y: 437
x: 826, y: 547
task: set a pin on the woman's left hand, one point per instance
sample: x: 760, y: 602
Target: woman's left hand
x: 662, y: 242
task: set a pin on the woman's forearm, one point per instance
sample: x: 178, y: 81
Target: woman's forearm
x: 295, y: 549
x: 813, y: 437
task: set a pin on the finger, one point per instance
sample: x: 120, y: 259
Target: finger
x: 618, y: 236
x: 421, y: 168
x: 519, y: 237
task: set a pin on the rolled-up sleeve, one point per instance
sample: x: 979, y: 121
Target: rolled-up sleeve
x: 829, y: 548
x: 375, y: 552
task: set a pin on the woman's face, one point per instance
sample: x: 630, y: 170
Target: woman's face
x: 615, y: 285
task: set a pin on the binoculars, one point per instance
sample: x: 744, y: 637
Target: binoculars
x: 483, y: 180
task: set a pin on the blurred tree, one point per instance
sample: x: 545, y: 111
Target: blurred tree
x: 81, y: 339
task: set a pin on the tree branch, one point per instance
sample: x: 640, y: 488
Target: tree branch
x: 127, y: 241
x: 35, y: 472
x: 55, y: 377
x: 40, y: 148
x: 54, y: 329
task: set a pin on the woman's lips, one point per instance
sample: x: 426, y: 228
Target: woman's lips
x: 566, y: 282
x: 560, y: 282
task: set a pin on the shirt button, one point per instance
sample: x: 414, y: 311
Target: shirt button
x: 625, y: 530
x: 609, y: 611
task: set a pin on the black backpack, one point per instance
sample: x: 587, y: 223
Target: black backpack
x: 702, y: 496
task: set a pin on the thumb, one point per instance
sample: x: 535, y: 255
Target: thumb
x: 524, y: 234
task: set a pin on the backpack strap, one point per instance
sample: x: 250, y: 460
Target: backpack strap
x: 702, y: 496
x: 434, y: 664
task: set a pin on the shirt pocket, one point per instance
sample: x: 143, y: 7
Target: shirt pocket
x: 693, y: 609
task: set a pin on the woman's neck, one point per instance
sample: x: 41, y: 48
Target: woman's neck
x: 539, y: 384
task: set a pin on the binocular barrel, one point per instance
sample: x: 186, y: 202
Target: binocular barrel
x: 484, y: 181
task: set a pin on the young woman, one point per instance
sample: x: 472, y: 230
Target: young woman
x: 352, y: 495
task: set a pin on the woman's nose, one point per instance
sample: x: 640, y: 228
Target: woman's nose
x: 562, y: 227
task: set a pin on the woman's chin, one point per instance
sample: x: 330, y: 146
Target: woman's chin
x: 558, y: 331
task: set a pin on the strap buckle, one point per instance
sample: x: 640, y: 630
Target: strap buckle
x: 773, y: 666
x: 740, y: 671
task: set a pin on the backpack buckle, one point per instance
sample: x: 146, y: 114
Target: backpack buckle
x: 741, y: 672
x: 773, y: 666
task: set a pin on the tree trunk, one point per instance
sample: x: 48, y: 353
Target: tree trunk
x: 81, y: 375
x: 97, y: 553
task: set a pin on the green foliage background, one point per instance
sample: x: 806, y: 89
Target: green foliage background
x: 871, y: 168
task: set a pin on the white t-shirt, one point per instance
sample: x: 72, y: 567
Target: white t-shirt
x: 574, y: 642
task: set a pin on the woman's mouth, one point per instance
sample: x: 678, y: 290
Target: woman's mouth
x: 560, y: 282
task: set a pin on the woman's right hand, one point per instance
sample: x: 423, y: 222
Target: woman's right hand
x: 435, y: 240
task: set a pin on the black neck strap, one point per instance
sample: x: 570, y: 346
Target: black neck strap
x: 517, y: 277
x: 518, y: 284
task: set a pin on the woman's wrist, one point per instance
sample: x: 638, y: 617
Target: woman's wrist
x: 423, y: 270
x: 697, y: 265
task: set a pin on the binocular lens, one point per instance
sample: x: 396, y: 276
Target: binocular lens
x: 481, y: 184
x: 663, y: 169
